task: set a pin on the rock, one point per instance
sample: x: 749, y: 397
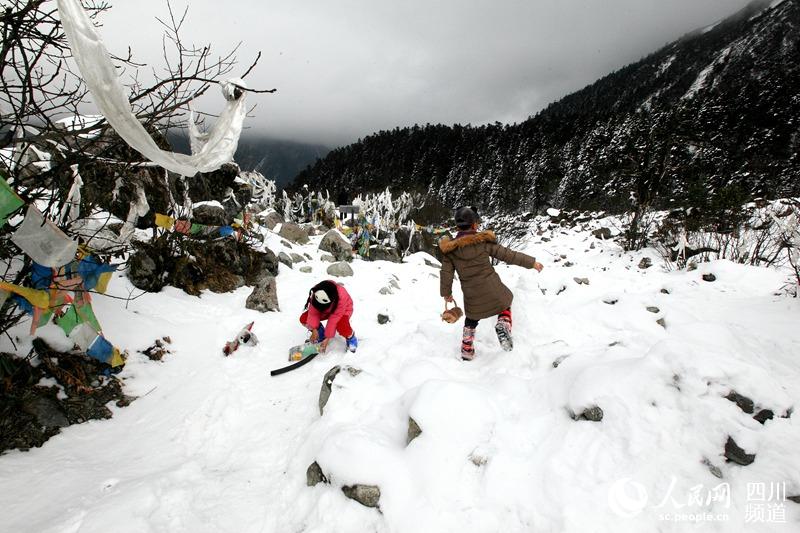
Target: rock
x: 665, y: 291
x: 210, y: 215
x: 297, y: 258
x: 478, y: 460
x: 272, y: 219
x: 581, y: 281
x: 414, y: 430
x: 306, y: 269
x: 294, y: 233
x: 383, y: 319
x: 366, y: 495
x: 653, y: 309
x: 558, y: 360
x: 431, y: 264
x: 592, y: 414
x: 420, y: 241
x: 327, y: 258
x: 264, y: 297
x: 383, y: 253
x: 795, y: 499
x: 385, y: 291
x: 393, y: 283
x: 734, y: 454
x: 709, y: 277
x: 284, y: 258
x: 646, y: 262
x: 763, y: 415
x: 46, y: 411
x: 610, y: 301
x: 661, y: 322
x: 743, y: 402
x: 144, y: 273
x: 327, y: 384
x: 336, y: 244
x: 314, y: 475
x: 340, y: 269
x: 286, y: 244
x: 602, y: 233
x: 568, y: 264
x: 691, y: 266
x: 715, y: 470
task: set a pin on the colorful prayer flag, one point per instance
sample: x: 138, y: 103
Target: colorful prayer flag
x: 9, y: 201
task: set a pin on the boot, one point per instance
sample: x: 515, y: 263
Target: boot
x: 467, y: 340
x: 503, y: 330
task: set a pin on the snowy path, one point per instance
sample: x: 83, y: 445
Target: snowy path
x: 215, y: 444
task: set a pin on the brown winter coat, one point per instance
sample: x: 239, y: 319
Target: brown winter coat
x: 470, y: 256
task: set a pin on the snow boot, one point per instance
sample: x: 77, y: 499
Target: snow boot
x: 352, y: 342
x: 503, y: 330
x: 467, y: 341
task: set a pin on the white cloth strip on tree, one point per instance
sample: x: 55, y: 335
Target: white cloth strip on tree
x: 72, y: 207
x: 102, y: 79
x: 42, y: 241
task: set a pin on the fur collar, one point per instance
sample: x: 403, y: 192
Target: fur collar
x: 447, y: 245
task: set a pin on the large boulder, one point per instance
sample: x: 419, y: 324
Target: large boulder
x: 340, y: 270
x: 420, y: 241
x: 210, y: 215
x: 327, y: 384
x: 337, y: 245
x: 294, y: 233
x: 220, y: 266
x: 271, y: 219
x: 383, y: 253
x: 264, y: 297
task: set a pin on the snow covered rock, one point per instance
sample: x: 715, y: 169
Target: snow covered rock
x: 383, y: 319
x: 306, y: 269
x: 592, y: 414
x: 336, y: 244
x: 210, y: 215
x: 327, y: 383
x: 340, y: 269
x: 271, y: 219
x: 602, y: 233
x: 293, y: 233
x: 264, y: 297
x: 327, y: 258
x: 284, y: 258
x: 366, y: 495
x: 645, y: 263
x: 297, y: 258
x: 383, y: 253
x: 709, y: 277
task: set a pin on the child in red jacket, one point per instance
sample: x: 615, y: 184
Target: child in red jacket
x: 329, y: 301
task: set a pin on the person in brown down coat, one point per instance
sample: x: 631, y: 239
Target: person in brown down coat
x: 470, y: 254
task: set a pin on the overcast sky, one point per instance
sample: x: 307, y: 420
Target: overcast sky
x: 345, y: 69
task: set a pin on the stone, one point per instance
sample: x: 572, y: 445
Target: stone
x: 743, y: 402
x: 661, y: 322
x: 210, y: 215
x: 297, y: 258
x: 393, y: 283
x: 763, y: 415
x: 46, y: 411
x: 735, y: 454
x: 315, y: 475
x: 383, y: 319
x: 581, y: 281
x: 337, y: 245
x: 709, y: 277
x: 602, y: 233
x: 653, y: 309
x: 592, y: 414
x: 414, y: 430
x: 366, y: 495
x: 418, y: 241
x: 715, y: 470
x: 610, y: 301
x: 383, y: 253
x: 284, y: 258
x: 286, y: 244
x: 340, y: 269
x: 795, y: 499
x: 144, y: 273
x: 272, y: 219
x: 306, y: 269
x: 431, y: 264
x: 665, y: 291
x: 294, y: 233
x: 327, y: 384
x: 385, y: 291
x: 264, y: 297
x: 645, y: 263
x: 327, y: 258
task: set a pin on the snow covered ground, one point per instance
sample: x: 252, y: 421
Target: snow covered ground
x: 215, y: 444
